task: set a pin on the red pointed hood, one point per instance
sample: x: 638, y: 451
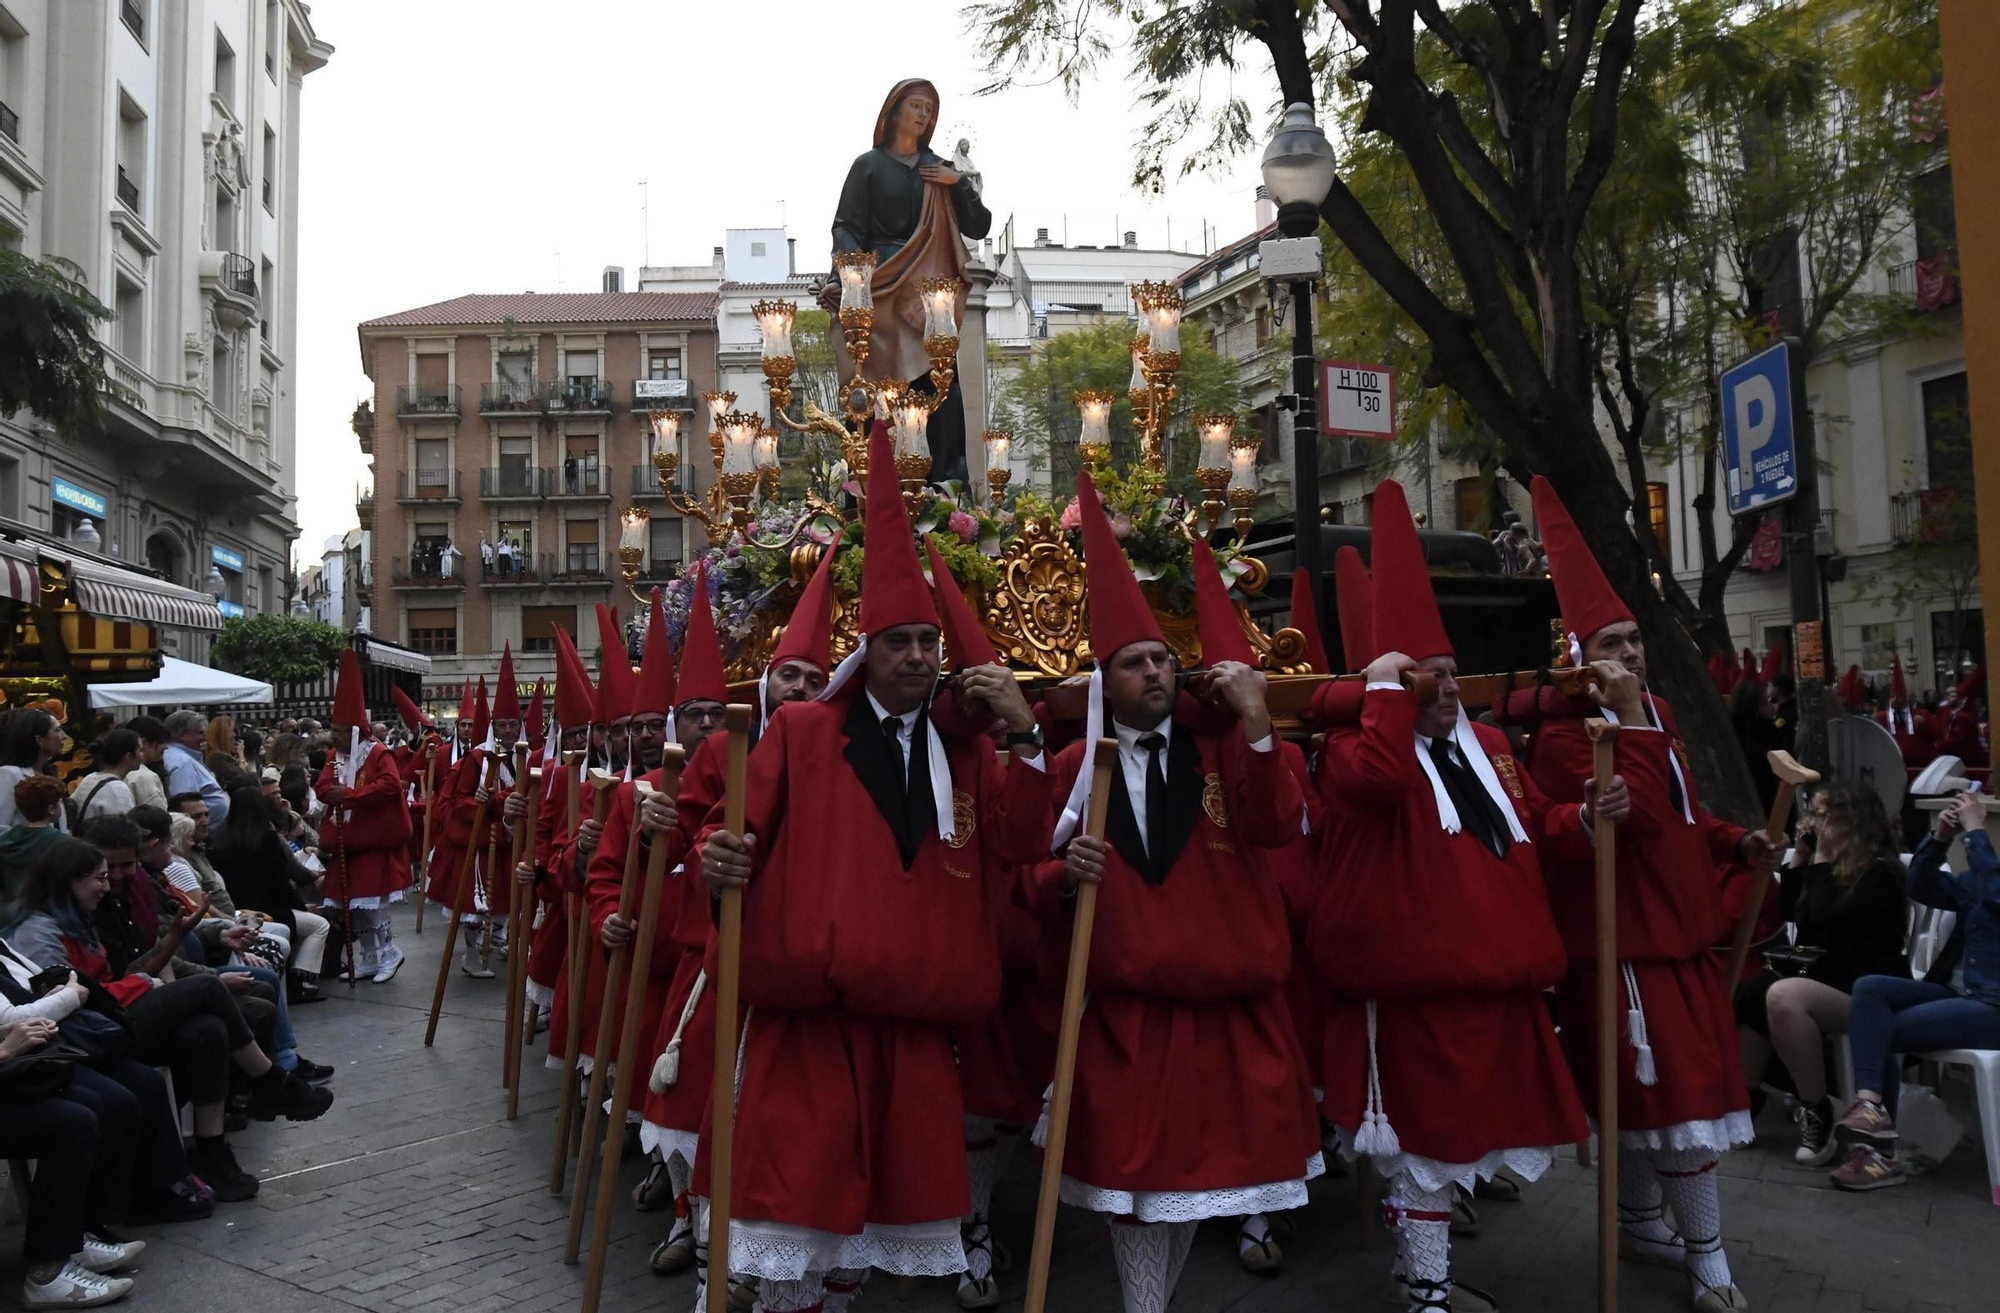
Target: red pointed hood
x: 507, y: 695
x: 1406, y: 612
x: 702, y: 678
x: 1305, y: 619
x: 1973, y: 685
x: 482, y: 719
x: 1119, y: 613
x: 965, y: 642
x: 1718, y: 672
x: 413, y: 715
x: 1354, y: 596
x: 350, y: 707
x: 1222, y: 637
x: 536, y: 725
x: 893, y: 591
x: 1586, y: 597
x: 1852, y: 694
x: 574, y: 691
x: 1746, y: 666
x: 808, y: 636
x: 616, y: 680
x: 1774, y: 661
x: 1898, y: 686
x: 654, y: 692
x: 465, y: 711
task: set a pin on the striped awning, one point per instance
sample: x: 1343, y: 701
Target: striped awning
x: 378, y: 653
x: 113, y: 594
x: 17, y: 571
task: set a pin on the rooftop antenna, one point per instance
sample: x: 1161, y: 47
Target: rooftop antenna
x: 645, y: 224
x: 559, y: 281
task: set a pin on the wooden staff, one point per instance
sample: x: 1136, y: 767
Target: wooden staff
x: 1604, y: 738
x: 511, y: 1014
x: 617, y: 982
x: 628, y: 1035
x: 1104, y: 760
x: 1790, y: 776
x: 465, y: 871
x: 518, y: 931
x: 728, y: 956
x: 579, y: 969
x: 424, y: 854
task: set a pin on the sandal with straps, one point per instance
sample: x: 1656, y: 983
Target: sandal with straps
x: 1259, y: 1255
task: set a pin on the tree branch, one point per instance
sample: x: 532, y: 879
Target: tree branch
x: 1601, y: 144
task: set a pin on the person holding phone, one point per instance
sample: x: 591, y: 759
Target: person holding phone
x: 1955, y: 1006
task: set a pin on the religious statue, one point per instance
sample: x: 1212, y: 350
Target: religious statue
x: 913, y: 209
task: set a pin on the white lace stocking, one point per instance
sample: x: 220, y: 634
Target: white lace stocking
x: 1687, y: 1179
x: 680, y: 1174
x: 1640, y: 1211
x: 806, y: 1295
x: 1423, y: 1241
x: 1180, y: 1240
x: 842, y: 1286
x: 1142, y: 1254
x: 988, y: 1146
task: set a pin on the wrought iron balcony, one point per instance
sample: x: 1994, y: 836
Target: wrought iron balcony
x: 510, y: 396
x: 514, y: 570
x: 513, y: 483
x: 429, y: 570
x: 239, y: 273
x: 586, y: 395
x: 10, y: 124
x: 433, y: 485
x: 662, y: 394
x: 128, y: 190
x: 427, y: 399
x: 646, y: 481
x: 364, y: 505
x: 579, y: 481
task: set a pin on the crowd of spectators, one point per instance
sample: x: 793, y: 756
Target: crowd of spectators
x: 158, y: 924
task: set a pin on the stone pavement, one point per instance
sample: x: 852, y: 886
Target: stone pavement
x: 414, y: 1192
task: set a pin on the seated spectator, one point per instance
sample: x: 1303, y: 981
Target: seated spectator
x: 195, y: 808
x: 186, y: 771
x: 38, y: 805
x: 104, y: 792
x: 82, y: 1145
x: 180, y: 841
x: 148, y: 783
x: 262, y: 875
x: 192, y: 1024
x: 295, y: 787
x: 1844, y: 891
x: 251, y: 744
x: 30, y: 741
x: 1955, y: 1006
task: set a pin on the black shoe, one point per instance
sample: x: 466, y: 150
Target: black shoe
x: 288, y: 1097
x: 182, y: 1202
x: 1817, y: 1146
x: 314, y: 1072
x: 236, y: 1114
x: 218, y: 1168
x: 302, y: 988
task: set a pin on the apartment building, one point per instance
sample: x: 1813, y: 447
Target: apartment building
x: 154, y: 145
x: 507, y: 432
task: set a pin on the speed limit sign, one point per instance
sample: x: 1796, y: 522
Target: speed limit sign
x: 1357, y: 400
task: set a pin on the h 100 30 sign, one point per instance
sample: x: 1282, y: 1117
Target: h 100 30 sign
x: 1357, y: 400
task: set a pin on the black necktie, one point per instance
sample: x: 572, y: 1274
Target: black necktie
x: 1156, y: 795
x: 892, y: 734
x: 1476, y: 810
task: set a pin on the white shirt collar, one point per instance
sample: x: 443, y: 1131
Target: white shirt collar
x: 882, y: 713
x: 1128, y: 738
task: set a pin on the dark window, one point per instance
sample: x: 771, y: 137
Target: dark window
x: 1934, y: 213
x: 1656, y: 515
x: 434, y: 630
x: 1472, y: 500
x: 539, y: 625
x: 1948, y: 432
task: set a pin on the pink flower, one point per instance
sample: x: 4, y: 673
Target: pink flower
x: 1121, y: 524
x: 964, y: 526
x: 1072, y: 516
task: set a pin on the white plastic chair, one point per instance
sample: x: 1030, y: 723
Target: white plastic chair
x: 1985, y: 1064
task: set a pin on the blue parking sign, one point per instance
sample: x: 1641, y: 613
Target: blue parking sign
x: 1757, y: 434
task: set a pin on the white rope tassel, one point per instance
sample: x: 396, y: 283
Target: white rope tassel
x: 667, y: 1071
x: 1376, y: 1138
x: 1635, y: 1021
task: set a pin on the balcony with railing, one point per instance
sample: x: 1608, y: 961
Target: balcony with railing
x: 662, y: 394
x: 513, y: 397
x: 362, y: 421
x: 1931, y: 516
x: 581, y: 396
x: 239, y: 273
x: 578, y: 479
x: 513, y: 483
x: 364, y: 506
x: 646, y: 482
x: 128, y: 190
x: 427, y: 400
x: 432, y: 486
x: 514, y: 570
x: 581, y: 565
x: 10, y: 123
x: 432, y: 569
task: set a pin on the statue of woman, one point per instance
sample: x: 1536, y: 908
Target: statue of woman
x: 913, y: 210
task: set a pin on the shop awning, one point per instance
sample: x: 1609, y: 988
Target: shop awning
x: 17, y: 570
x: 110, y: 593
x: 396, y: 657
x: 183, y: 684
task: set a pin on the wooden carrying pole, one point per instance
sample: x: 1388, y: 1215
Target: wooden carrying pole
x: 465, y: 868
x: 1104, y: 760
x: 1791, y: 775
x: 628, y: 1035
x: 522, y: 1031
x: 567, y: 1121
x: 728, y: 956
x: 515, y: 958
x: 1604, y: 739
x: 424, y: 855
x: 617, y: 981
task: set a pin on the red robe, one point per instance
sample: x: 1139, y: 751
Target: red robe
x: 551, y: 940
x: 1297, y: 867
x: 855, y: 969
x: 452, y: 831
x: 413, y: 765
x: 1918, y: 743
x: 1189, y: 1077
x: 364, y: 838
x: 1670, y: 915
x: 1454, y: 945
x: 1958, y: 734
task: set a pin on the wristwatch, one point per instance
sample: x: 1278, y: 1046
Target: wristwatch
x: 1025, y: 738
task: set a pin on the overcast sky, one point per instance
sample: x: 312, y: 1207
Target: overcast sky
x: 456, y: 146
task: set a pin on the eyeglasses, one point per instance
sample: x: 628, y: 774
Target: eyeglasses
x: 651, y: 725
x: 710, y: 714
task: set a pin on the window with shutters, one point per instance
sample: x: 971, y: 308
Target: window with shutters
x: 663, y: 547
x: 434, y: 630
x: 539, y: 625
x: 580, y: 542
x: 663, y: 362
x: 580, y: 465
x: 1656, y: 516
x: 433, y: 371
x: 433, y: 467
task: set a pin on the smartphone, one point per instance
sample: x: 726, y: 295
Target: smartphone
x: 43, y: 982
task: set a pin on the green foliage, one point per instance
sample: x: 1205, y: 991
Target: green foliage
x: 277, y: 648
x: 51, y: 362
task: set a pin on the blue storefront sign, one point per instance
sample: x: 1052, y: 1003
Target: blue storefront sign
x: 226, y: 559
x: 230, y: 609
x: 77, y: 498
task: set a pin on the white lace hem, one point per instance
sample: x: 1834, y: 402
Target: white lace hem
x: 542, y: 996
x: 1431, y: 1176
x: 777, y: 1251
x: 364, y: 904
x: 1719, y: 1135
x: 1193, y: 1205
x: 666, y: 1142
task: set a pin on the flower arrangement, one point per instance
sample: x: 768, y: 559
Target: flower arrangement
x: 1147, y: 525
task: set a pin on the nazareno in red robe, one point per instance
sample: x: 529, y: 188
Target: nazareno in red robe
x: 1191, y: 1097
x: 1670, y: 918
x: 849, y: 1124
x: 550, y: 946
x: 1297, y: 868
x: 1453, y: 946
x: 493, y: 880
x: 364, y: 838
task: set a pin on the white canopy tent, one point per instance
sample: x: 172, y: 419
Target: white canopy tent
x: 182, y: 684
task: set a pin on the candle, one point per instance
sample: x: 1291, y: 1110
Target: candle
x: 767, y: 450
x: 1163, y: 324
x: 632, y: 528
x: 940, y: 307
x: 912, y: 427
x: 856, y: 270
x: 1138, y: 383
x: 739, y: 443
x: 666, y: 430
x: 1095, y: 408
x: 718, y: 406
x: 1243, y: 465
x: 775, y: 318
x: 997, y: 443
x: 1216, y: 432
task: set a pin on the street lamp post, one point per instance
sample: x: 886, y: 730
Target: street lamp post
x: 1298, y: 172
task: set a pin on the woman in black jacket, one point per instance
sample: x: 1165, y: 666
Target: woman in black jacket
x: 1844, y: 891
x: 261, y: 874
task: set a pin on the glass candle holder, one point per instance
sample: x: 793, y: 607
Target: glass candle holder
x: 1138, y: 346
x: 719, y: 404
x: 911, y: 428
x: 739, y: 442
x: 998, y: 443
x: 774, y: 320
x: 1163, y: 325
x: 1216, y: 431
x: 766, y: 450
x: 856, y: 270
x: 1095, y: 409
x: 940, y: 306
x: 632, y: 522
x: 666, y: 430
x: 1243, y: 464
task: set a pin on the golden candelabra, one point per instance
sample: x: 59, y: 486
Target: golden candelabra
x: 1243, y: 448
x: 1212, y: 468
x: 1140, y: 392
x: 1093, y: 441
x: 1158, y: 360
x: 998, y: 441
